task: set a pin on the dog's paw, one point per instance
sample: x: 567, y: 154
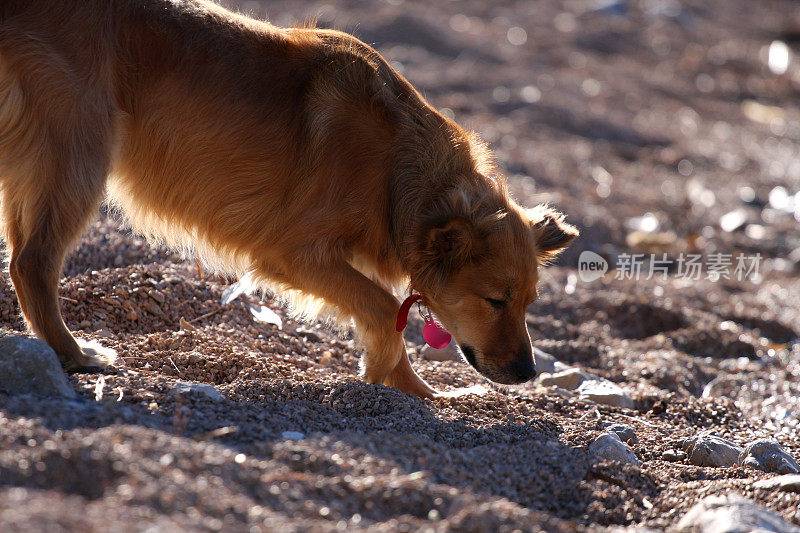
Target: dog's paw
x: 94, y: 357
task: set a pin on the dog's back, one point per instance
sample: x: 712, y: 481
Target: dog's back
x: 248, y: 143
x: 181, y: 102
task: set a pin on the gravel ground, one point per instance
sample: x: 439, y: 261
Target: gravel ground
x: 657, y: 126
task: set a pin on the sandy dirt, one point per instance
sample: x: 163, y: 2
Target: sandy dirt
x: 609, y: 111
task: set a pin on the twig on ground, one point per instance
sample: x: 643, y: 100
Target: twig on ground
x: 206, y: 315
x: 176, y: 366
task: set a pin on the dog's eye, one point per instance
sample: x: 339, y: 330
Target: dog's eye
x: 497, y: 304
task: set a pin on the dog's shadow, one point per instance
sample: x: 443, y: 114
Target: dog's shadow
x: 339, y: 436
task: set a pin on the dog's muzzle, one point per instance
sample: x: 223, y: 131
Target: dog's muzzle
x: 522, y: 369
x: 519, y: 370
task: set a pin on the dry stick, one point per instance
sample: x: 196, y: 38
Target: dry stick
x: 125, y: 304
x: 195, y: 319
x: 112, y: 301
x: 176, y: 366
x: 68, y: 299
x: 595, y: 412
x: 638, y: 419
x: 129, y: 306
x: 219, y: 432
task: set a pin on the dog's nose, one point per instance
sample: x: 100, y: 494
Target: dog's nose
x: 524, y: 369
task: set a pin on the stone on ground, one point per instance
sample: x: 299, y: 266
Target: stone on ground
x: 605, y: 393
x: 768, y: 455
x: 448, y: 353
x: 30, y: 366
x: 204, y: 389
x: 568, y: 379
x: 709, y: 449
x: 625, y: 432
x: 786, y: 483
x: 609, y: 447
x: 545, y: 363
x: 732, y: 514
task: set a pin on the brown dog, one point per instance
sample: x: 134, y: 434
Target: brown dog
x: 295, y: 156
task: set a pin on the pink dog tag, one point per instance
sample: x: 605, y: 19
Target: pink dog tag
x: 433, y: 332
x: 435, y: 335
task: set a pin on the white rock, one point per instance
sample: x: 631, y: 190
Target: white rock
x: 262, y: 313
x: 608, y: 447
x: 30, y: 366
x: 184, y: 387
x: 732, y: 514
x: 787, y: 482
x: 448, y: 353
x: 709, y: 449
x: 673, y: 455
x: 545, y: 363
x: 769, y: 456
x: 570, y: 378
x: 605, y: 393
x: 293, y: 435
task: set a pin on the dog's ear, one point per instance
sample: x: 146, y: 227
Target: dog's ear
x: 437, y: 248
x: 451, y: 241
x: 551, y: 232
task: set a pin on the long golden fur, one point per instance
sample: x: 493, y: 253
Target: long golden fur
x: 297, y: 157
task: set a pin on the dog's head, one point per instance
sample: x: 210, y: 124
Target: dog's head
x: 477, y: 271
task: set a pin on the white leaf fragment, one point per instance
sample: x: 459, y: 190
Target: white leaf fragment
x: 262, y: 313
x: 232, y: 292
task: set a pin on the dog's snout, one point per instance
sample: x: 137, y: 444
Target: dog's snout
x: 508, y: 371
x: 523, y: 369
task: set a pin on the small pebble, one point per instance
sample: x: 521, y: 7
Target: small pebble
x: 308, y: 335
x: 570, y: 378
x: 608, y: 447
x: 673, y: 455
x: 709, y: 449
x: 153, y: 308
x: 625, y: 432
x: 786, y: 482
x: 768, y: 455
x: 448, y: 353
x: 732, y: 514
x: 605, y: 393
x: 203, y: 389
x: 157, y: 296
x: 545, y: 363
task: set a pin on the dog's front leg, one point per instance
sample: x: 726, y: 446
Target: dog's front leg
x: 375, y: 312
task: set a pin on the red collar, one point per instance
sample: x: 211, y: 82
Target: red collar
x: 405, y: 307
